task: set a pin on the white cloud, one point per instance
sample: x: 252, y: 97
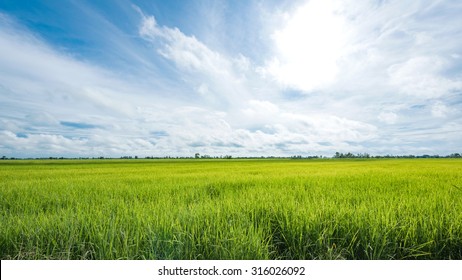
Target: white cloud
x: 186, y: 51
x: 420, y: 76
x: 258, y: 111
x: 40, y: 144
x: 203, y: 90
x: 439, y: 110
x: 388, y: 117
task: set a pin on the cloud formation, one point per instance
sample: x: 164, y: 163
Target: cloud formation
x: 347, y: 76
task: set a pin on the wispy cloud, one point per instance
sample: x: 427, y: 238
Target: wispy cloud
x: 213, y: 77
x: 78, y: 125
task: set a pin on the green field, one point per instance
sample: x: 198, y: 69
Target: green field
x: 231, y: 209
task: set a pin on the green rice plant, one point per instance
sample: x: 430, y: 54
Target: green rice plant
x: 231, y: 209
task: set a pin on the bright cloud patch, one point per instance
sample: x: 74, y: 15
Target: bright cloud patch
x: 309, y: 46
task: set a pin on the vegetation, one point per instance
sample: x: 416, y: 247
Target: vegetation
x: 231, y: 209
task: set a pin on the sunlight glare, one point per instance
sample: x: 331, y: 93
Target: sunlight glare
x: 309, y: 46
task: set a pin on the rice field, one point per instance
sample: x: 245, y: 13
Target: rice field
x: 231, y: 209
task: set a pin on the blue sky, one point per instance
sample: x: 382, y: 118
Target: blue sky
x: 244, y: 78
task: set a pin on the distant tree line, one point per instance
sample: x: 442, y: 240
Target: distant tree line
x: 350, y: 155
x: 366, y: 155
x: 205, y: 156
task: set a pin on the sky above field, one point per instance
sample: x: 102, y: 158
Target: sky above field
x: 243, y: 78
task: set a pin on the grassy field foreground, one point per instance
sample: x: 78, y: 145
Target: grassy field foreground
x: 231, y: 209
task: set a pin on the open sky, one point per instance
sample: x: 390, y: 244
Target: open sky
x: 243, y: 78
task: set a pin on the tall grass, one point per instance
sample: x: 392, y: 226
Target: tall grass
x: 237, y: 209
